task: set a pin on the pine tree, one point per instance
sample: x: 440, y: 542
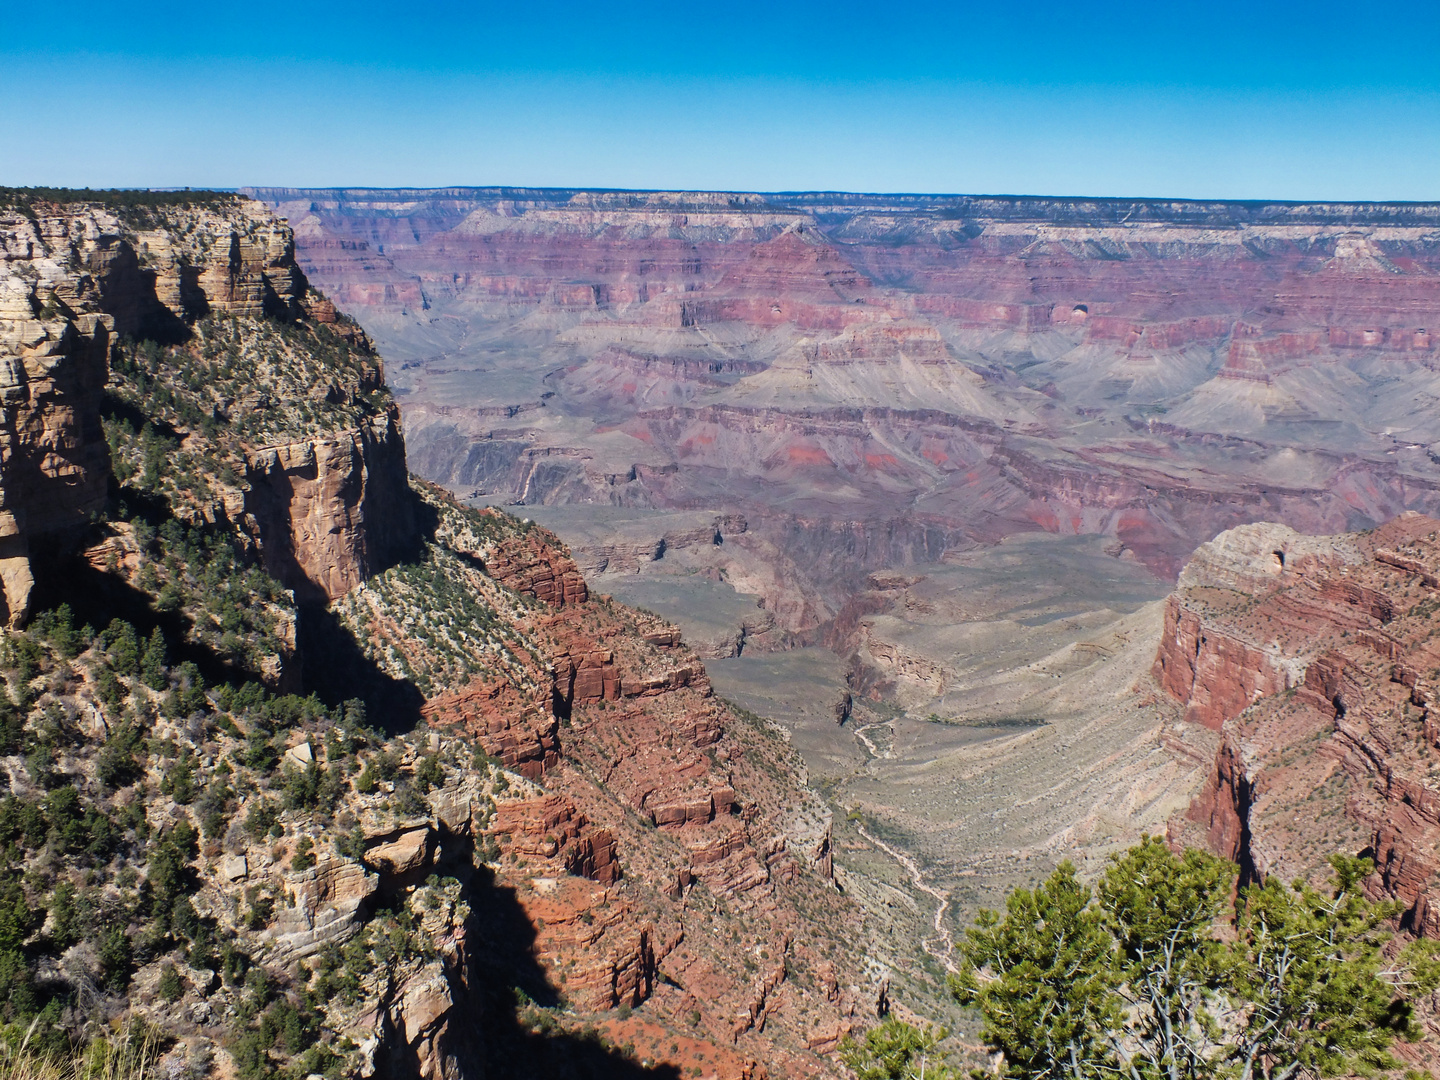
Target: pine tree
x: 152, y: 664
x: 172, y: 987
x: 115, y: 953
x: 1309, y: 969
x: 1161, y: 911
x: 1044, y: 978
x: 1135, y: 982
x: 894, y: 1050
x: 123, y: 647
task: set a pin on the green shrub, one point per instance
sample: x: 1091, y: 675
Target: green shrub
x: 109, y: 689
x: 58, y: 628
x: 152, y: 664
x: 12, y: 727
x: 121, y: 647
x: 117, y: 764
x: 115, y: 959
x: 211, y: 808
x: 304, y: 857
x: 351, y: 845
x: 179, y: 780
x: 233, y: 963
x: 168, y: 870
x: 64, y: 918
x: 172, y: 987
x: 260, y: 753
x: 262, y: 816
x: 428, y: 773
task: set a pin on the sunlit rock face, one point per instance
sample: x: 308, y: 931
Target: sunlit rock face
x: 76, y: 280
x: 1316, y: 658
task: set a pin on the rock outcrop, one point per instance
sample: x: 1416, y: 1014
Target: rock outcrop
x: 55, y: 340
x: 1219, y: 666
x: 648, y: 811
x: 537, y: 569
x: 330, y: 512
x: 75, y: 280
x: 1339, y: 637
x: 550, y: 827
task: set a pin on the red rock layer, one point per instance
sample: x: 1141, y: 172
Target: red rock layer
x: 665, y: 831
x: 550, y: 827
x: 1216, y: 675
x: 1339, y: 760
x: 535, y: 567
x: 517, y: 728
x: 1122, y: 368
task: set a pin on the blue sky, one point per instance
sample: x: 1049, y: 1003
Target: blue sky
x: 1216, y: 100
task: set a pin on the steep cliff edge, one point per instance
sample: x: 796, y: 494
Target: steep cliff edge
x: 1316, y: 657
x: 321, y: 773
x: 242, y: 356
x: 646, y: 784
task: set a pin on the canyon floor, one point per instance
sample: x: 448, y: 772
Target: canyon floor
x: 1021, y: 726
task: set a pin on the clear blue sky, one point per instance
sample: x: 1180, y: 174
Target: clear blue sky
x: 1222, y: 99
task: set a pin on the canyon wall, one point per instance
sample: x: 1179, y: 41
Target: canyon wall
x: 654, y: 827
x: 497, y: 791
x: 76, y: 281
x: 329, y: 512
x: 873, y: 381
x: 1316, y: 658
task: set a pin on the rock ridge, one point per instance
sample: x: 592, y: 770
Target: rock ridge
x: 78, y: 280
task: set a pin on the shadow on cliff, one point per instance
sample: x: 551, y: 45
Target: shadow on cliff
x: 336, y: 669
x: 96, y: 597
x: 511, y: 1006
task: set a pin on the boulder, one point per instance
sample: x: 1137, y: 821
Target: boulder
x: 402, y: 852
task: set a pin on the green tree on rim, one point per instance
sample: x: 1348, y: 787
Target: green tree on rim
x: 1133, y: 979
x: 895, y: 1050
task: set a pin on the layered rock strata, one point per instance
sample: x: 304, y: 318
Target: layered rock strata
x: 77, y: 279
x: 1315, y: 656
x: 330, y: 512
x: 561, y: 810
x: 874, y: 381
x: 650, y: 815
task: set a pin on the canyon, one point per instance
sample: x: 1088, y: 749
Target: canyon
x: 873, y: 381
x: 1314, y: 659
x: 791, y: 577
x: 75, y: 285
x: 931, y: 466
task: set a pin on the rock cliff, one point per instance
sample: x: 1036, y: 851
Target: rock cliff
x: 1314, y: 656
x: 212, y: 292
x: 352, y: 779
x: 669, y: 807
